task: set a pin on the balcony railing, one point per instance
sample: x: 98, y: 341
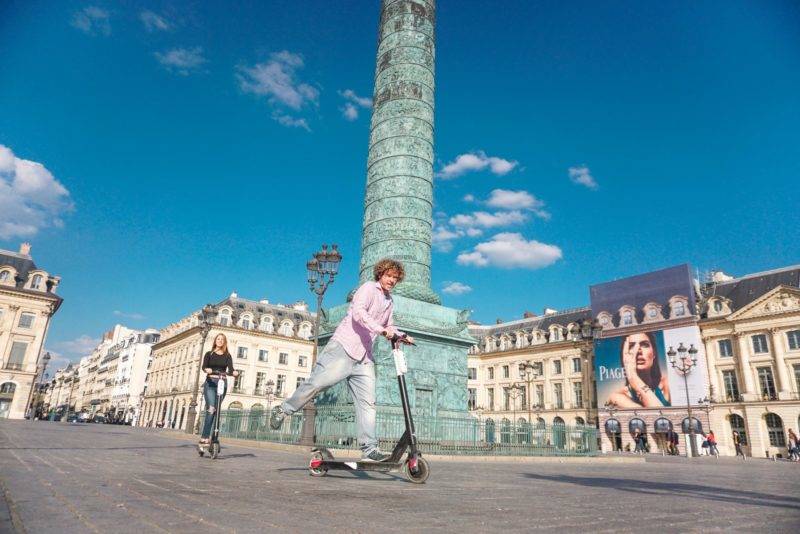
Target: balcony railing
x: 14, y: 366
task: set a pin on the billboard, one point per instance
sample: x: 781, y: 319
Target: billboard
x: 633, y: 371
x: 642, y: 317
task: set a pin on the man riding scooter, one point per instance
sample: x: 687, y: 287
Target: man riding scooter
x: 348, y: 356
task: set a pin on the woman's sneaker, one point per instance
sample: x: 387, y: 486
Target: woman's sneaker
x: 375, y: 456
x: 276, y: 418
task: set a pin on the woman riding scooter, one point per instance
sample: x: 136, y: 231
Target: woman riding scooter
x: 216, y: 361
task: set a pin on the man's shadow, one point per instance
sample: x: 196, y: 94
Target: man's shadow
x: 647, y: 487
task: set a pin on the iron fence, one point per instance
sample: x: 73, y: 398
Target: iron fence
x: 335, y: 428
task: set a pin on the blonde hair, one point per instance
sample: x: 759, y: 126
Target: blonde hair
x: 388, y: 264
x: 224, y: 343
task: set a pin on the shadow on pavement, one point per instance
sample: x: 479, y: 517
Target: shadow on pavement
x: 229, y: 456
x: 710, y: 493
x: 360, y: 475
x: 96, y: 448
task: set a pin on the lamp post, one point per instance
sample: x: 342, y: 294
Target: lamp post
x: 515, y: 391
x: 207, y: 315
x: 268, y: 391
x: 322, y: 268
x: 683, y: 366
x: 528, y: 372
x: 36, y: 379
x: 72, y: 379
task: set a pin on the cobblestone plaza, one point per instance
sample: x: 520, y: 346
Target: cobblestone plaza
x: 99, y: 478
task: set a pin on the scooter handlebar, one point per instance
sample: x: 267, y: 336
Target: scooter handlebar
x: 398, y: 339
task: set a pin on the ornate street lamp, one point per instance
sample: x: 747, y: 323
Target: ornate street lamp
x: 268, y: 391
x: 321, y: 269
x: 528, y: 372
x: 207, y: 315
x: 683, y: 365
x: 37, y: 380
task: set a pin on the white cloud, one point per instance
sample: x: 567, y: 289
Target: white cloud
x: 154, y: 22
x: 292, y: 122
x: 476, y: 161
x: 456, y: 288
x: 511, y: 251
x: 92, y: 20
x: 353, y: 103
x: 78, y: 347
x: 474, y: 232
x: 483, y: 219
x: 132, y: 316
x: 30, y: 197
x: 469, y: 198
x: 517, y: 200
x: 581, y: 175
x: 183, y: 61
x: 443, y: 237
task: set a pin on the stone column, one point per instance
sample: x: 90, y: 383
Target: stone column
x: 749, y: 393
x: 780, y: 364
x: 399, y: 197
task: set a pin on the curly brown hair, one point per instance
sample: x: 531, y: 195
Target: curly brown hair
x: 387, y: 264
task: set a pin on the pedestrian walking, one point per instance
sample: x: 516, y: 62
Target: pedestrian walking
x: 794, y: 446
x: 712, y: 444
x: 737, y: 444
x: 638, y: 439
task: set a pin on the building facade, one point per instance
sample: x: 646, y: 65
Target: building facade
x: 271, y: 346
x: 27, y: 304
x: 557, y: 389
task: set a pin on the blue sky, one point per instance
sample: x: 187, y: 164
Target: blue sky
x: 188, y: 149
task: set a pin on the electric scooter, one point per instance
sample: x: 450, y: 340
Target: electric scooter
x: 414, y: 466
x: 212, y: 447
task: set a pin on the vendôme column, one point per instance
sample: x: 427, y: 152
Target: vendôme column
x: 399, y: 197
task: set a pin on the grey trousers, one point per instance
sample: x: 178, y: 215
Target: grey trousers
x: 334, y: 365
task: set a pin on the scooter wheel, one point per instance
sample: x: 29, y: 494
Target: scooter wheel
x: 200, y: 452
x: 214, y: 451
x: 316, y: 468
x: 422, y: 471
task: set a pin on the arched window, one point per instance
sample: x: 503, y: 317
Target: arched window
x: 555, y: 334
x: 305, y: 331
x: 540, y: 423
x: 680, y: 309
x: 737, y: 424
x: 235, y: 405
x: 637, y: 424
x: 698, y: 427
x: 579, y: 421
x: 662, y: 425
x: 775, y: 430
x: 613, y: 427
x: 717, y: 305
x: 8, y: 388
x: 267, y: 323
x: 627, y: 317
x: 558, y: 421
x: 36, y: 283
x: 5, y: 276
x: 247, y: 322
x: 489, y: 430
x: 286, y: 329
x: 505, y: 431
x: 225, y: 318
x: 257, y: 408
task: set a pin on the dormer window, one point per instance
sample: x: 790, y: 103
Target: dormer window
x: 247, y: 324
x: 286, y: 329
x: 5, y: 276
x: 555, y: 334
x: 717, y: 306
x: 36, y: 283
x: 680, y: 309
x: 225, y: 318
x: 627, y: 318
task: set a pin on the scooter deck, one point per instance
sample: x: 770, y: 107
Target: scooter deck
x: 357, y: 465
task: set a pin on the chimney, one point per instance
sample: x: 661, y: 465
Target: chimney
x: 719, y: 276
x: 234, y: 295
x: 25, y: 249
x: 263, y: 301
x: 550, y: 311
x: 528, y: 315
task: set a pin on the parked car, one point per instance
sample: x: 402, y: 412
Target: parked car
x: 99, y: 418
x: 72, y: 418
x: 84, y: 417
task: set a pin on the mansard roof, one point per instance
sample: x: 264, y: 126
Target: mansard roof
x: 742, y: 291
x: 539, y: 322
x: 280, y: 312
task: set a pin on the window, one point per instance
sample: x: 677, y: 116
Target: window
x: 506, y: 400
x: 490, y: 398
x: 224, y: 320
x: 794, y: 339
x: 490, y: 373
x: 577, y: 394
x: 760, y: 344
x: 302, y: 361
x: 558, y: 396
x: 283, y: 358
x: 241, y: 352
x: 775, y: 430
x: 26, y: 320
x: 505, y: 371
x: 576, y: 365
x: 731, y: 385
x: 717, y: 305
x: 796, y: 368
x: 247, y: 324
x: 540, y: 395
x: 556, y: 335
x: 556, y: 367
x: 472, y: 373
x: 5, y: 276
x: 627, y: 317
x: 737, y: 424
x: 8, y: 388
x: 261, y: 380
x: 299, y: 381
x: 472, y: 398
x: 263, y: 355
x: 680, y: 309
x: 766, y: 382
x: 286, y: 329
x: 36, y: 283
x: 238, y: 384
x: 725, y: 348
x: 279, y: 386
x: 652, y: 311
x: 17, y: 356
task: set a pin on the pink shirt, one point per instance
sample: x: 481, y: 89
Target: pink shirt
x: 370, y: 313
